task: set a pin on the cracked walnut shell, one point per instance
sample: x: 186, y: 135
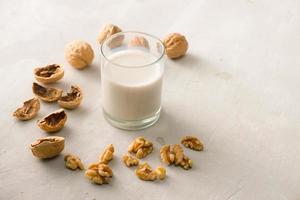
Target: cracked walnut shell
x: 108, y: 31
x: 73, y: 162
x: 49, y: 73
x: 47, y: 147
x: 46, y: 94
x: 107, y: 155
x: 29, y: 109
x: 79, y: 54
x: 130, y: 161
x: 140, y: 147
x: 73, y: 98
x: 176, y: 45
x: 54, y: 121
x: 139, y: 42
x: 192, y: 143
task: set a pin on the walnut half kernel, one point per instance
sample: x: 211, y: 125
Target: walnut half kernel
x: 174, y: 155
x: 73, y: 162
x: 108, y: 154
x: 145, y: 172
x: 192, y: 143
x: 99, y: 173
x: 54, y: 121
x: 29, y: 110
x: 47, y: 147
x: 130, y: 161
x: 140, y: 147
x: 46, y: 94
x: 73, y: 98
x: 49, y: 73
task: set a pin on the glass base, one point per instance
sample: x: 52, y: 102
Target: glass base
x: 132, y: 125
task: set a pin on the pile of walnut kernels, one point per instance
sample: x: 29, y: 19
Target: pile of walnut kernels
x: 80, y: 55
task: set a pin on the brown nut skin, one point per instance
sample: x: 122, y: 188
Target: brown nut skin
x: 79, y: 54
x: 107, y: 31
x: 29, y: 109
x: 49, y: 73
x: 73, y: 98
x: 47, y: 147
x: 47, y: 94
x: 176, y: 45
x: 53, y: 122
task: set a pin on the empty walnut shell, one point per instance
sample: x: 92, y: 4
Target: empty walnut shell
x: 49, y: 73
x: 46, y: 94
x: 47, y: 147
x: 72, y: 99
x: 29, y: 110
x: 54, y: 121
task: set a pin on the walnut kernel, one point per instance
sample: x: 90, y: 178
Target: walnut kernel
x: 108, y: 154
x: 73, y: 162
x: 140, y: 147
x: 192, y: 143
x: 160, y: 173
x: 99, y: 173
x: 176, y: 45
x: 79, y: 54
x: 145, y: 172
x: 130, y: 161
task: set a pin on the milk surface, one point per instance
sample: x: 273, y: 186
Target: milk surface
x: 132, y: 92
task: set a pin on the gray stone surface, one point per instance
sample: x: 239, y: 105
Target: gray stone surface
x: 237, y: 89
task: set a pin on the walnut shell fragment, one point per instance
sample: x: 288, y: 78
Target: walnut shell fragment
x: 79, y: 54
x: 47, y: 94
x: 29, y: 109
x: 73, y: 98
x: 192, y: 143
x: 47, y: 147
x: 176, y: 45
x: 54, y: 121
x: 49, y: 73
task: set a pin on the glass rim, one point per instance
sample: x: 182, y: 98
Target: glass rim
x: 136, y: 32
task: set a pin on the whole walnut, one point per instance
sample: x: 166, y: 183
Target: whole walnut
x: 108, y: 31
x: 176, y: 45
x: 79, y: 54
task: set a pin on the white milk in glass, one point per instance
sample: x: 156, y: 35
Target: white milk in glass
x: 132, y: 91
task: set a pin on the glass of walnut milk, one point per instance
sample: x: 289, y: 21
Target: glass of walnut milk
x: 132, y: 68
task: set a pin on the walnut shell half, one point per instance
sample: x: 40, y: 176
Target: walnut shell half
x: 47, y: 147
x: 46, y: 94
x: 49, y: 73
x: 54, y: 121
x: 73, y: 98
x: 29, y: 110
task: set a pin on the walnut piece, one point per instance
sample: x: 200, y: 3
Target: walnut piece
x: 145, y: 172
x: 73, y: 162
x: 47, y: 147
x: 99, y: 173
x: 176, y: 45
x: 130, y: 161
x: 54, y: 121
x: 29, y: 109
x: 139, y: 42
x: 175, y: 155
x: 49, y: 73
x: 192, y: 143
x: 47, y: 94
x: 108, y: 31
x: 107, y: 155
x: 73, y: 98
x: 79, y: 54
x: 140, y: 147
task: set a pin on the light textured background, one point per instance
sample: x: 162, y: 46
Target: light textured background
x: 237, y: 89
